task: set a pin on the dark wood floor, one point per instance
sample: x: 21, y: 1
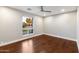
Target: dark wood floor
x: 41, y: 44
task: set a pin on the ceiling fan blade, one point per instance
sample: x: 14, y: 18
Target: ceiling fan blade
x: 47, y: 11
x: 42, y: 8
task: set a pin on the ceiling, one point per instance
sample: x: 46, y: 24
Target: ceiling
x: 54, y: 9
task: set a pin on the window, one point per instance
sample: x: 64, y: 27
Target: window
x: 27, y: 25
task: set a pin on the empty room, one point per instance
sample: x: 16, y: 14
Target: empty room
x: 39, y: 29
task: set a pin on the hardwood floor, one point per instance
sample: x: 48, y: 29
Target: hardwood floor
x: 41, y: 44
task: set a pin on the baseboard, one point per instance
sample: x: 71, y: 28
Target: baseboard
x: 37, y: 35
x: 61, y: 37
x: 64, y: 38
x: 25, y: 37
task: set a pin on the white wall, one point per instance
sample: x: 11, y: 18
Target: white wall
x: 78, y: 23
x: 11, y: 24
x: 78, y: 26
x: 38, y: 25
x: 63, y: 25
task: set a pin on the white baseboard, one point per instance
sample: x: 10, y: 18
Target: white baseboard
x: 61, y: 37
x: 30, y: 36
x: 25, y: 37
x: 65, y: 38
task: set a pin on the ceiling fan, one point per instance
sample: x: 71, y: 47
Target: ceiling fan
x: 42, y: 10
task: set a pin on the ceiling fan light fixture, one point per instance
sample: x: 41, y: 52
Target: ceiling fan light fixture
x: 62, y: 10
x: 44, y: 14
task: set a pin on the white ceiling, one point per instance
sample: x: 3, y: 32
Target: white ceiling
x: 55, y: 9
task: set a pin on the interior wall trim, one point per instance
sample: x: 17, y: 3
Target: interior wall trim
x: 61, y: 37
x: 64, y: 38
x: 27, y: 37
x: 14, y: 41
